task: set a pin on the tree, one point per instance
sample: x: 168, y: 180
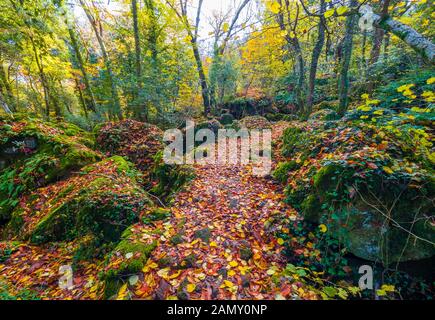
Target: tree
x: 315, y: 57
x: 289, y: 24
x: 192, y: 32
x: 343, y: 83
x: 88, y: 98
x: 115, y: 110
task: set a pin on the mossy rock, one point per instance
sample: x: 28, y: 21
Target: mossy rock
x: 311, y: 208
x: 226, y: 118
x: 203, y: 234
x: 105, y: 198
x: 282, y: 169
x: 37, y: 153
x: 139, y: 142
x: 128, y: 258
x: 170, y: 178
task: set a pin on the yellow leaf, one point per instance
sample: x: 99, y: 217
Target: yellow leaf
x: 430, y: 80
x: 225, y: 27
x: 341, y: 10
x: 323, y: 228
x: 275, y: 7
x: 388, y: 170
x: 233, y: 263
x: 228, y: 283
x: 213, y: 244
x: 122, y: 293
x: 280, y: 241
x: 231, y: 273
x: 329, y: 13
x: 190, y: 287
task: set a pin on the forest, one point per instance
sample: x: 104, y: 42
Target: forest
x: 91, y: 210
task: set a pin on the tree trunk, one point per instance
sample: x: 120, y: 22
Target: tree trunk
x: 4, y: 105
x: 138, y: 63
x: 202, y: 79
x: 7, y: 93
x: 315, y: 58
x: 89, y: 96
x: 343, y: 85
x: 416, y: 41
x: 116, y: 110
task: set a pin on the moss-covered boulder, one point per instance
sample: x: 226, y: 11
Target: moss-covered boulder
x: 102, y: 200
x: 371, y: 184
x: 137, y: 141
x: 34, y: 153
x: 226, y: 118
x: 212, y: 124
x: 168, y: 178
x: 130, y: 256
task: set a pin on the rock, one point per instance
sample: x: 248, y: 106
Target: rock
x: 245, y: 252
x: 35, y: 153
x: 138, y: 141
x: 226, y: 118
x: 203, y: 234
x: 102, y: 200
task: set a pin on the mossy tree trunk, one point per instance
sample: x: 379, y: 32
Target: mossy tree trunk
x: 343, y: 84
x: 89, y: 98
x: 415, y: 40
x: 315, y: 58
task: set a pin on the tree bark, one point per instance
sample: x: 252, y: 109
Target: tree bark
x: 89, y: 96
x: 5, y: 89
x: 315, y: 58
x: 138, y: 63
x: 343, y: 85
x: 415, y: 40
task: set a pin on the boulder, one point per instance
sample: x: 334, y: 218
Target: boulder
x: 36, y: 153
x: 101, y: 200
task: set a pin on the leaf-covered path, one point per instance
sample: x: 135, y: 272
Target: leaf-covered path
x: 219, y: 242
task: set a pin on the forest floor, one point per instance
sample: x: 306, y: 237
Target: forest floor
x: 219, y: 243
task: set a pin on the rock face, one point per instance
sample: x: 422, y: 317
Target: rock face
x: 35, y: 153
x: 100, y: 201
x: 372, y: 185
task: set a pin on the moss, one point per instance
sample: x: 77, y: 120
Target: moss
x: 56, y: 150
x: 203, y: 234
x: 170, y: 178
x: 326, y: 177
x: 226, y: 118
x: 311, y: 208
x: 177, y: 239
x: 282, y: 170
x: 101, y: 201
